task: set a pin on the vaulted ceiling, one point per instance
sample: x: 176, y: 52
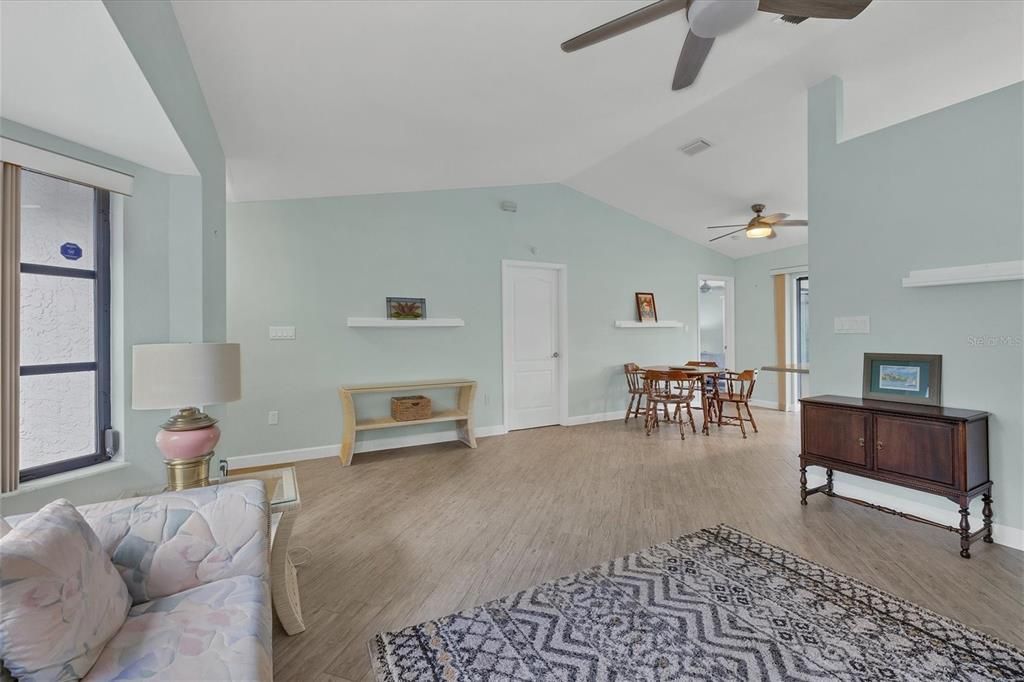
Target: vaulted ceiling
x: 342, y: 98
x: 66, y: 70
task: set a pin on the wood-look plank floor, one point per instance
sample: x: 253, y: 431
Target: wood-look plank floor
x: 408, y: 535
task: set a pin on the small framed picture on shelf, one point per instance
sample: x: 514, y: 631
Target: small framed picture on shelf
x: 645, y: 308
x: 903, y: 378
x: 407, y: 308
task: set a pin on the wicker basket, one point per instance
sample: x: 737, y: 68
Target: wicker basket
x: 407, y: 408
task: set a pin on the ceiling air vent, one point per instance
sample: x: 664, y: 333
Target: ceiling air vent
x: 696, y: 147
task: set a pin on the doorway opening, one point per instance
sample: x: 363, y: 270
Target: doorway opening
x: 715, y: 320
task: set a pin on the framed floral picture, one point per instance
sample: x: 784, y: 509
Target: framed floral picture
x: 407, y: 308
x: 645, y: 308
x: 903, y: 377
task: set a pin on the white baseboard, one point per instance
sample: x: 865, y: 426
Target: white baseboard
x: 301, y: 454
x: 769, y: 404
x: 594, y: 418
x: 844, y: 485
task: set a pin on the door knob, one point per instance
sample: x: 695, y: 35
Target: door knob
x: 860, y: 441
x: 555, y: 354
x: 878, y: 445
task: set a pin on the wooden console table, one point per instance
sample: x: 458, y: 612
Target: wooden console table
x: 938, y: 450
x: 462, y: 415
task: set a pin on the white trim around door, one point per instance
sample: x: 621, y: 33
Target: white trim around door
x: 729, y: 335
x: 507, y: 339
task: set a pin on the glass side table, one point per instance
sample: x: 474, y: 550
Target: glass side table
x: 285, y: 503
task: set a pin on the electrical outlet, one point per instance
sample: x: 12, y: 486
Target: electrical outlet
x: 282, y: 333
x: 272, y: 417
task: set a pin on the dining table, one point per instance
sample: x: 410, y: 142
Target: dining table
x: 695, y: 372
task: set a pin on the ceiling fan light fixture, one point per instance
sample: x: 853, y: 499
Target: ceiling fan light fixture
x: 760, y: 232
x: 712, y: 18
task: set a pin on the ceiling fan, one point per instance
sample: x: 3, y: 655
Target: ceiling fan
x: 709, y: 19
x: 760, y: 226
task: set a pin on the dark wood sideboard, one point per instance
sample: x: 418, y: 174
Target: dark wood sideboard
x: 937, y: 450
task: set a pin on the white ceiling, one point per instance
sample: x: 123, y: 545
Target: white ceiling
x: 341, y: 98
x: 66, y: 70
x: 897, y: 60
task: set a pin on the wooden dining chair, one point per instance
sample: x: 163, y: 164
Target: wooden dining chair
x: 736, y: 388
x: 707, y: 388
x: 672, y: 389
x: 635, y: 385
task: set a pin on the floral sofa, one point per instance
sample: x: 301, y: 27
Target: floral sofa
x: 196, y: 564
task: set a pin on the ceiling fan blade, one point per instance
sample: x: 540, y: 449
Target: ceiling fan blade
x: 792, y: 222
x: 727, y: 234
x: 715, y: 227
x: 695, y: 51
x: 773, y: 218
x: 819, y: 9
x: 628, y: 22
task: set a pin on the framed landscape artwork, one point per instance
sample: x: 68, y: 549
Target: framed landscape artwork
x: 903, y: 377
x: 407, y: 308
x: 645, y: 308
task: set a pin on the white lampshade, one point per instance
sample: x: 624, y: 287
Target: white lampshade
x: 177, y: 375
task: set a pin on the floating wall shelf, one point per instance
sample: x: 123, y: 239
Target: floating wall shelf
x: 385, y: 322
x: 1005, y: 271
x: 662, y: 324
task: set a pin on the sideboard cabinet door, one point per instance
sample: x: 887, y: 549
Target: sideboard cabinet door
x: 912, y: 447
x: 836, y: 434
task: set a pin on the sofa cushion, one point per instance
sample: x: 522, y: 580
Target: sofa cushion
x: 61, y: 600
x: 174, y: 541
x: 217, y: 631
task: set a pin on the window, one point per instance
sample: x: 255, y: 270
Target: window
x: 64, y: 325
x: 802, y: 308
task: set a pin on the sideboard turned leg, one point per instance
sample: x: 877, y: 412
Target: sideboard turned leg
x: 828, y: 481
x: 965, y: 531
x: 803, y: 485
x: 986, y: 512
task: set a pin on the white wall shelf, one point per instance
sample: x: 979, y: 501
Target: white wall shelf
x: 384, y: 322
x: 661, y: 324
x: 1005, y: 271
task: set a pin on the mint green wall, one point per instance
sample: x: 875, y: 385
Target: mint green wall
x: 755, y: 314
x: 944, y: 189
x: 315, y: 262
x: 161, y: 301
x: 151, y: 32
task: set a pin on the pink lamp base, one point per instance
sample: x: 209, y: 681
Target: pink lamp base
x: 187, y: 444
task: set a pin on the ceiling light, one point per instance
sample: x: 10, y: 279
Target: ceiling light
x: 759, y: 231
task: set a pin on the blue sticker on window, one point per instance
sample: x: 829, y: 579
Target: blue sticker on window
x: 71, y: 251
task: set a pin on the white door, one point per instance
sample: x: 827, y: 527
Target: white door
x: 533, y: 357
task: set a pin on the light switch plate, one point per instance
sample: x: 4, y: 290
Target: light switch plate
x: 854, y: 324
x: 282, y: 333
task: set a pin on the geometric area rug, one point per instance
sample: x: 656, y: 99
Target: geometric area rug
x: 713, y: 605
